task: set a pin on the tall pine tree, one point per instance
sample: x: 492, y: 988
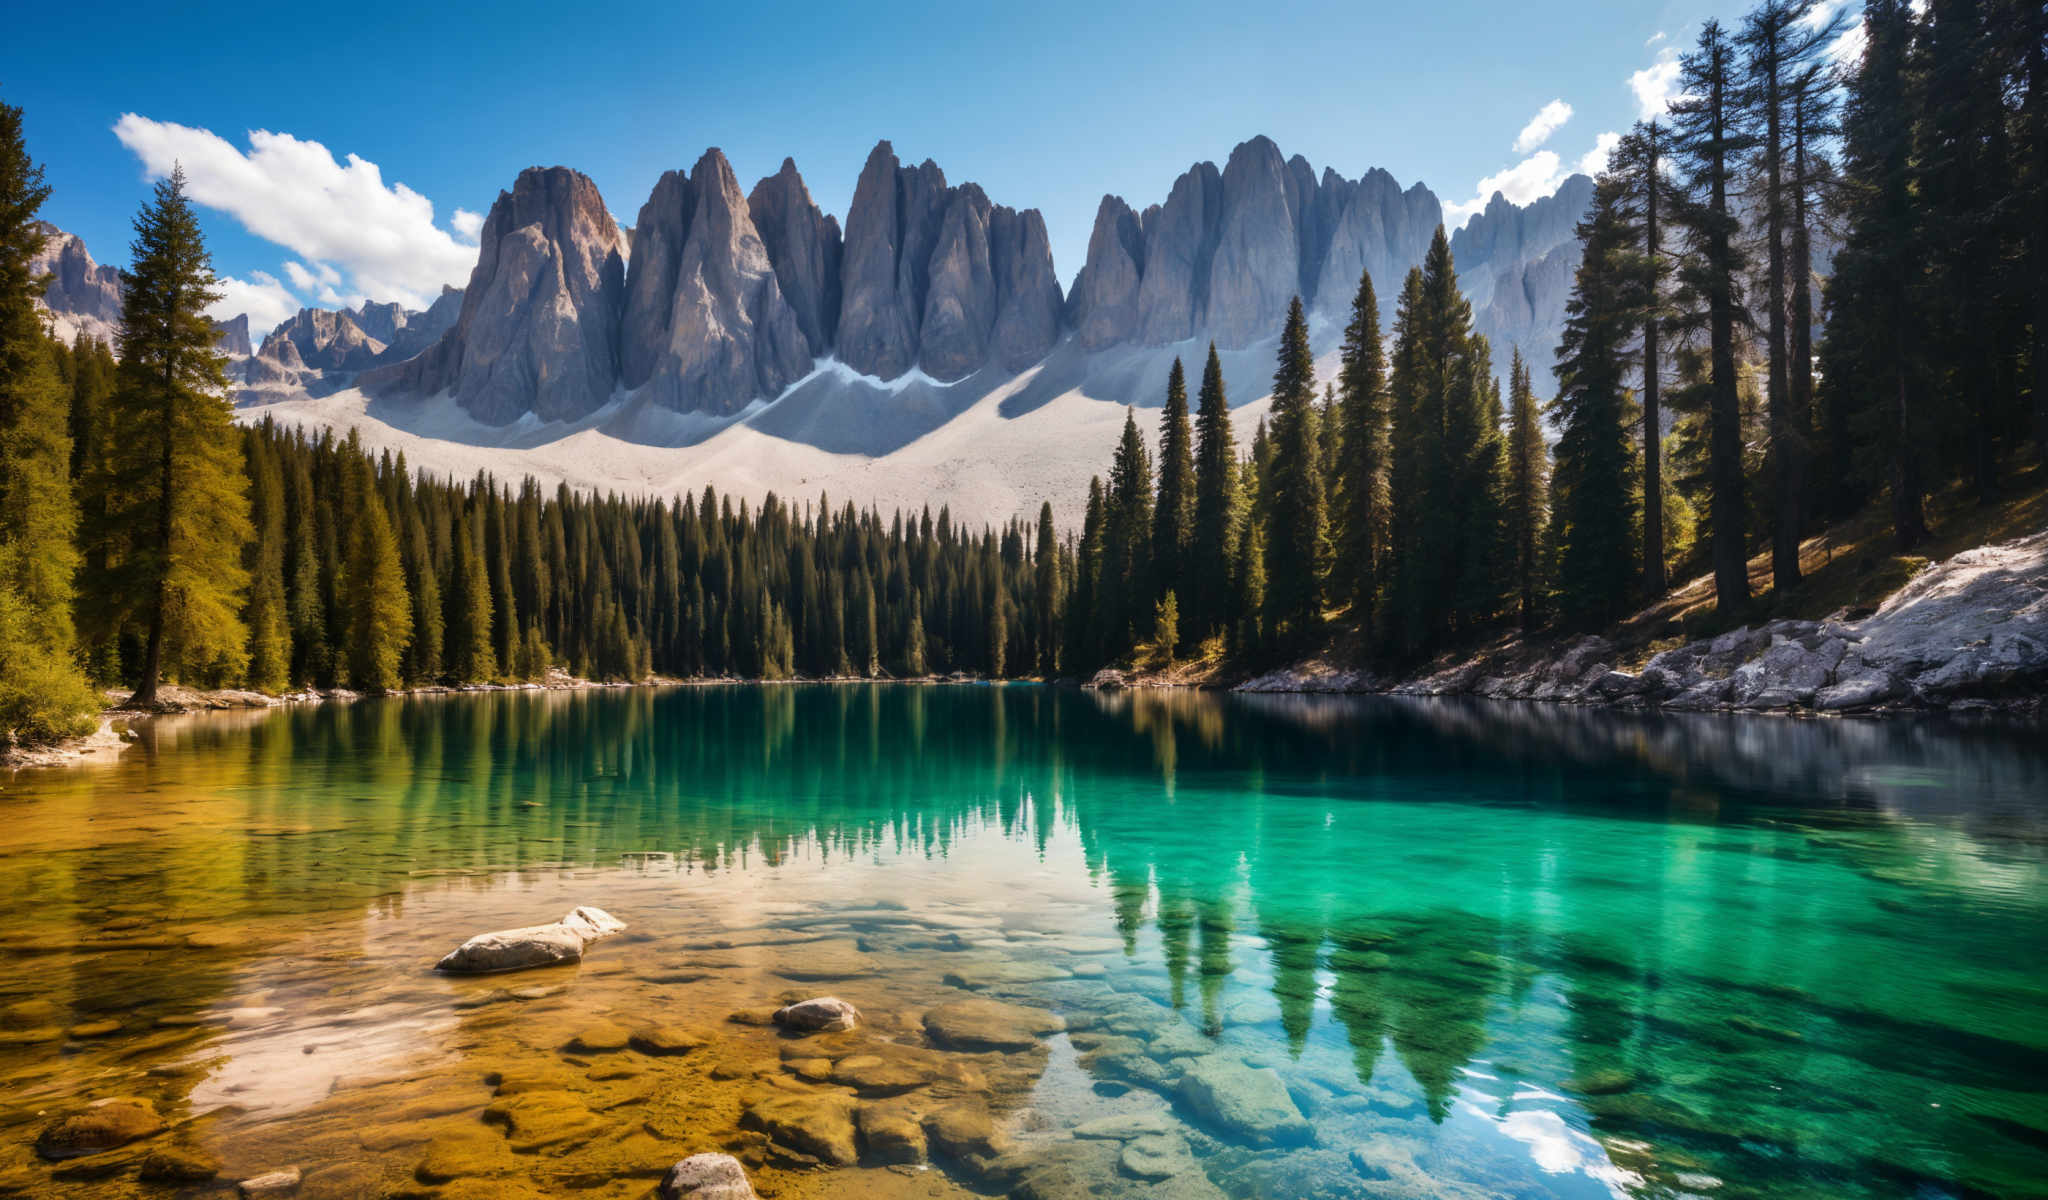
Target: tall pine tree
x: 174, y: 503
x: 1212, y: 548
x: 1362, y: 500
x: 1295, y: 517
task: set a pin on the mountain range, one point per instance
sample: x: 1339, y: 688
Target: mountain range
x: 926, y: 352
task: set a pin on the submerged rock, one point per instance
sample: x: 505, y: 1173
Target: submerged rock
x: 178, y: 1164
x: 533, y: 946
x: 820, y: 1014
x: 815, y: 1123
x: 269, y: 1185
x: 707, y: 1177
x: 1250, y: 1103
x: 980, y: 1024
x: 101, y: 1127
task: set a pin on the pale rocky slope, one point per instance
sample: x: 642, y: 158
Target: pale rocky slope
x: 1970, y: 631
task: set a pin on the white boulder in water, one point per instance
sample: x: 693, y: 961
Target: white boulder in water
x: 534, y: 946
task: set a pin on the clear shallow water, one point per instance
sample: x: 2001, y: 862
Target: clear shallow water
x: 1488, y: 950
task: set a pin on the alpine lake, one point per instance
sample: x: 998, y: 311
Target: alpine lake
x: 1168, y: 945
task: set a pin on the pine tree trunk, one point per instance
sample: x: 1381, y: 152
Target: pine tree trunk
x: 153, y: 656
x: 1654, y: 580
x: 1731, y: 566
x: 1800, y: 389
x: 1784, y: 452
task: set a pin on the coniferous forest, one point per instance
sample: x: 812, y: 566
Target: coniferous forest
x: 1722, y: 391
x: 1809, y: 289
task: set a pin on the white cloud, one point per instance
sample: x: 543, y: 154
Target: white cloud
x: 1531, y: 179
x: 1595, y: 160
x: 1654, y: 38
x: 354, y: 235
x: 268, y: 302
x: 1656, y: 85
x: 1548, y: 120
x: 467, y: 224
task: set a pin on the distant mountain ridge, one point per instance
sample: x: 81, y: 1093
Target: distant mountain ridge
x: 780, y: 348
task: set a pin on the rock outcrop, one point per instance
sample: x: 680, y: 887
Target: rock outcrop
x: 82, y: 296
x: 234, y: 337
x: 706, y: 1177
x: 538, y: 330
x: 1516, y: 264
x: 1229, y: 248
x: 804, y: 246
x: 939, y: 278
x: 323, y: 339
x: 1971, y: 631
x: 706, y: 327
x: 555, y: 944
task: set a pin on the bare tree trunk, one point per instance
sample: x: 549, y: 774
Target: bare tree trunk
x: 1655, y: 581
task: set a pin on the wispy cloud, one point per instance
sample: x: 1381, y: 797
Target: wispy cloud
x: 1548, y: 120
x: 354, y: 236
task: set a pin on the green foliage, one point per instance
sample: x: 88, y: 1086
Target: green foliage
x: 1296, y: 521
x: 42, y: 692
x: 172, y: 505
x: 380, y: 610
x: 1528, y: 505
x: 1166, y: 628
x: 270, y: 641
x: 1362, y: 498
x: 1212, y: 548
x: 1173, y: 517
x: 1447, y: 467
x: 1594, y: 488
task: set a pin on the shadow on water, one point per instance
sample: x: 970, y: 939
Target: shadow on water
x: 1747, y: 950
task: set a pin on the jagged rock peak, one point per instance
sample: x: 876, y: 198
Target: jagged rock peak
x: 83, y: 296
x: 706, y: 326
x: 938, y: 277
x: 804, y: 246
x: 538, y: 330
x: 1230, y: 247
x: 325, y: 340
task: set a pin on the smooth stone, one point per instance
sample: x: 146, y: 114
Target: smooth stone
x: 178, y: 1164
x: 102, y: 1127
x: 892, y: 1130
x: 819, y: 1124
x: 602, y: 1037
x: 1156, y: 1156
x: 532, y: 946
x: 820, y: 1014
x: 1250, y: 1103
x: 93, y: 1029
x: 275, y: 1183
x: 455, y: 1155
x: 982, y: 1024
x: 707, y: 1177
x: 1126, y: 1126
x: 663, y: 1040
x: 993, y: 975
x: 964, y: 1131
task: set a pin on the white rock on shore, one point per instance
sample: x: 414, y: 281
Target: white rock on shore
x: 557, y: 944
x: 1970, y: 630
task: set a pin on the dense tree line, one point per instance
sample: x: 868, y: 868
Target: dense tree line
x: 1697, y: 421
x: 145, y: 538
x: 1721, y: 390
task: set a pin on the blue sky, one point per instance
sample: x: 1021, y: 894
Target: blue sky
x: 1046, y: 105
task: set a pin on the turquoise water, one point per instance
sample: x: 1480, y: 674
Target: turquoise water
x: 1489, y: 950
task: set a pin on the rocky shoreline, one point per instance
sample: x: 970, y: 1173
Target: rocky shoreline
x: 1968, y: 634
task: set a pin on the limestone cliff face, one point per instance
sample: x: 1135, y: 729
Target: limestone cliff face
x: 83, y: 296
x: 939, y: 278
x: 1229, y: 248
x: 706, y: 327
x: 804, y: 246
x: 538, y: 330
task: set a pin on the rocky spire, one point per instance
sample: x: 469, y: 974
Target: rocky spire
x: 803, y: 244
x: 706, y: 327
x: 939, y: 278
x: 539, y: 326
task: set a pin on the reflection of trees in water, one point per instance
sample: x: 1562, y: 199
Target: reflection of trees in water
x: 1202, y: 816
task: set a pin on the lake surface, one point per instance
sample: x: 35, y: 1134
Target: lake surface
x: 1300, y: 947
